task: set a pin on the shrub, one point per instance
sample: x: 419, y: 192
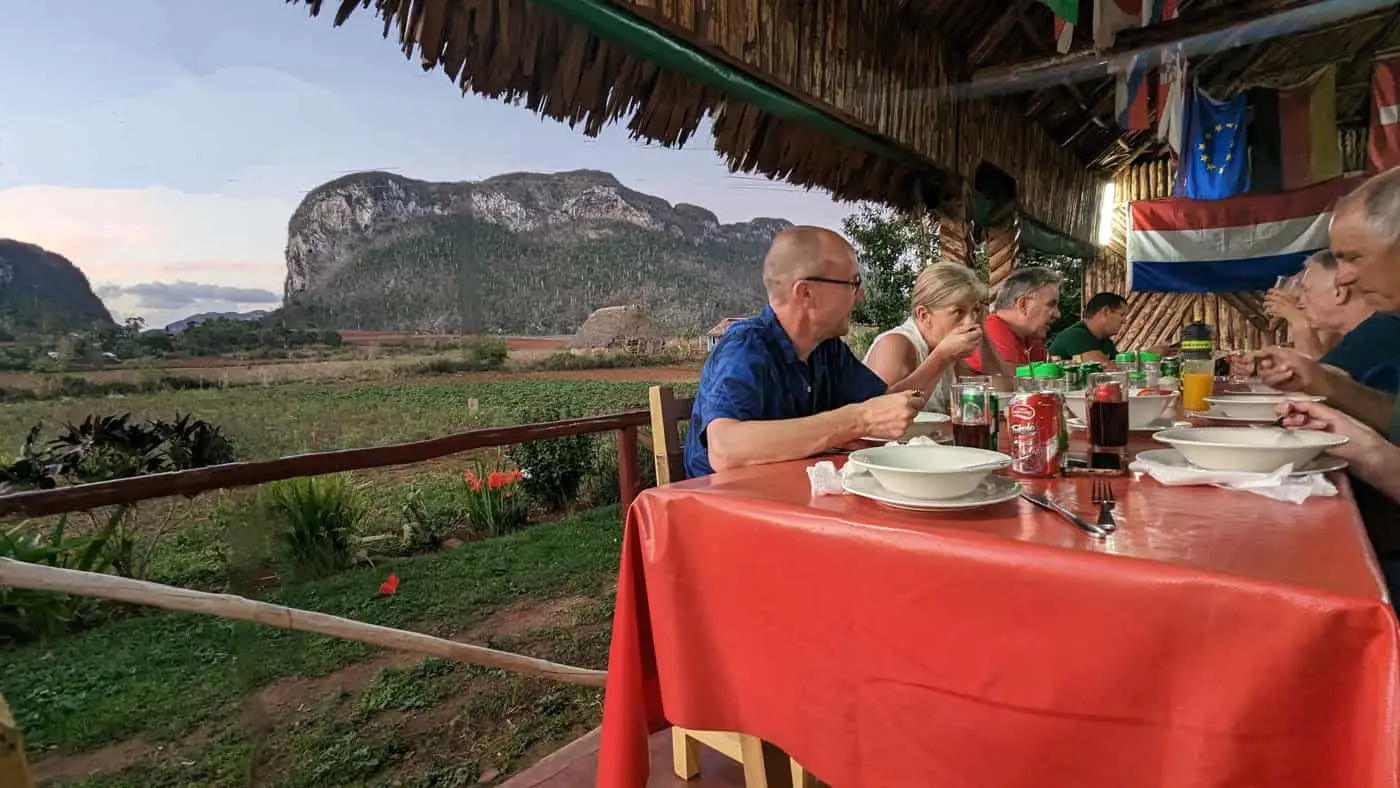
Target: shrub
x: 603, y: 486
x: 29, y: 614
x: 487, y: 352
x: 492, y: 506
x: 429, y: 516
x: 553, y: 469
x: 319, y: 517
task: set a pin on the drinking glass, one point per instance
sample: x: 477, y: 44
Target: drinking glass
x: 970, y: 407
x: 1106, y: 411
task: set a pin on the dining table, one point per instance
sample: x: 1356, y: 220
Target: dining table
x: 1216, y: 638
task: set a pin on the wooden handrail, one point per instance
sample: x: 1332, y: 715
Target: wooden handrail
x: 79, y: 497
x: 140, y: 592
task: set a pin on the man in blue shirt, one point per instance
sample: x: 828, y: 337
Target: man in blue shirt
x: 1369, y: 346
x: 782, y: 385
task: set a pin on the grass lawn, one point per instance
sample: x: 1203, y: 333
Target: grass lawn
x: 167, y: 699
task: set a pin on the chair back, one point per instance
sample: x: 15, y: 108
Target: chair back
x: 667, y: 412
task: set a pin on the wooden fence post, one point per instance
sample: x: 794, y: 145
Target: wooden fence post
x: 627, y: 466
x: 14, y: 769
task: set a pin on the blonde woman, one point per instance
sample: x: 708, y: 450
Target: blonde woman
x: 926, y: 351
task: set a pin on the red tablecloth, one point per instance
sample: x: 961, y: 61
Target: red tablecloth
x: 1218, y: 639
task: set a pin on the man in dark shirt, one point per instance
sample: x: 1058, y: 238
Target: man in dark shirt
x: 1092, y: 337
x: 1369, y: 348
x: 782, y: 385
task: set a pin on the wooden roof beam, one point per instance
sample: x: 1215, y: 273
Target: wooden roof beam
x: 998, y: 32
x: 1183, y: 27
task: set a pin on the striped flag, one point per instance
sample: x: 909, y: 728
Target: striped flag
x: 1220, y: 246
x: 1383, y: 151
x: 1171, y: 99
x: 1132, y: 104
x: 1154, y: 11
x: 1113, y: 16
x: 1293, y: 136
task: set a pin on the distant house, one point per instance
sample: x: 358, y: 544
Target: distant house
x: 719, y: 329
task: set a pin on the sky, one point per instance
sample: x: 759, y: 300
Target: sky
x: 161, y: 145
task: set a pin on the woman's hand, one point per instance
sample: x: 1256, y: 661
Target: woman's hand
x: 960, y: 343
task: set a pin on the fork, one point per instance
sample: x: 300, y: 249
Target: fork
x: 1101, y: 493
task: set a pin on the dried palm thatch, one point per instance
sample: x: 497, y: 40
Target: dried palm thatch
x: 616, y: 327
x: 523, y: 53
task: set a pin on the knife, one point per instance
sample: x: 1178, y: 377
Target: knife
x: 1043, y: 501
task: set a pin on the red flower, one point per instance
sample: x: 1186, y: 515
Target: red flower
x: 472, y: 481
x: 389, y: 586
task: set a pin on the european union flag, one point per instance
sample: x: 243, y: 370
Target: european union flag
x: 1214, y: 164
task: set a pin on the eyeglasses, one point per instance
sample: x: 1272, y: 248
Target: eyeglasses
x: 854, y: 284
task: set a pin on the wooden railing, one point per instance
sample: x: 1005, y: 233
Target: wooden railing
x: 81, y: 497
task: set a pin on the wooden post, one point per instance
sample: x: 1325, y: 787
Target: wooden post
x: 14, y: 769
x: 627, y: 466
x: 1003, y: 243
x: 955, y: 243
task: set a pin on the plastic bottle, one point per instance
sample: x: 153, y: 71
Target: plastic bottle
x: 1050, y: 379
x: 1197, y: 367
x: 1125, y: 362
x: 1151, y: 365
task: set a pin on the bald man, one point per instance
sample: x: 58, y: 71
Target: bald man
x: 782, y: 385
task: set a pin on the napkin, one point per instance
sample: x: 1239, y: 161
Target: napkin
x: 1278, y: 485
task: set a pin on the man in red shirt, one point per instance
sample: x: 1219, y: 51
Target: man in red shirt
x: 1026, y: 305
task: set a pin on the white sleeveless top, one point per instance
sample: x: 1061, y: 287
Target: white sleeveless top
x: 938, y: 398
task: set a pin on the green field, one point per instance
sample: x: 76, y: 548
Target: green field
x: 163, y: 699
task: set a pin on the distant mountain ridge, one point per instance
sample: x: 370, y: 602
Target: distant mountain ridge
x: 184, y: 323
x: 524, y: 253
x: 43, y: 292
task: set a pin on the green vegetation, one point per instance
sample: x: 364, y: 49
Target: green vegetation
x: 42, y: 292
x: 893, y: 248
x: 233, y: 704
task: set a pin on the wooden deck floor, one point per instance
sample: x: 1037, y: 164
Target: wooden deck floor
x: 575, y: 765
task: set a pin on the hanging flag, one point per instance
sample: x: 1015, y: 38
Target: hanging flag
x: 1132, y: 104
x: 1066, y: 16
x: 1214, y: 165
x: 1171, y: 93
x: 1113, y: 16
x: 1223, y: 246
x: 1293, y: 141
x: 1383, y: 151
x: 1154, y: 11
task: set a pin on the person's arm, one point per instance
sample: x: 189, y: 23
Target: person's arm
x: 896, y: 362
x: 1095, y: 355
x: 1370, y: 457
x: 997, y: 351
x: 1373, y: 408
x: 1288, y: 370
x: 736, y: 444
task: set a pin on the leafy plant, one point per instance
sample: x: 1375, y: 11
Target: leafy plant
x: 25, y: 613
x: 492, y: 506
x: 553, y: 468
x: 320, y: 516
x: 428, y: 517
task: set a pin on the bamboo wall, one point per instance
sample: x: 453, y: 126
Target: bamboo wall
x: 856, y: 59
x: 1153, y: 318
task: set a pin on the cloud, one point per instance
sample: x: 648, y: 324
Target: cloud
x: 179, y: 295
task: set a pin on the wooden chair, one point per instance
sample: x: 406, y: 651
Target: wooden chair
x: 14, y: 769
x: 763, y: 763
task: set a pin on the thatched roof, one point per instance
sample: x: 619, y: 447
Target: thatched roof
x: 615, y: 327
x: 775, y: 76
x: 723, y: 325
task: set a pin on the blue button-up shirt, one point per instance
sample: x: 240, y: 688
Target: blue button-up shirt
x: 754, y: 374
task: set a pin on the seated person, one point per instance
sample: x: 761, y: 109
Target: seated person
x: 1368, y: 348
x: 1027, y: 304
x: 926, y: 351
x: 783, y: 385
x: 1092, y: 337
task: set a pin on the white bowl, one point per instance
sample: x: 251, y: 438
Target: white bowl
x: 1248, y: 449
x: 929, y: 472
x: 1143, y: 409
x: 1257, y: 386
x: 1263, y: 407
x: 925, y: 425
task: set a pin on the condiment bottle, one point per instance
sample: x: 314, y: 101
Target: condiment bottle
x: 1151, y: 366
